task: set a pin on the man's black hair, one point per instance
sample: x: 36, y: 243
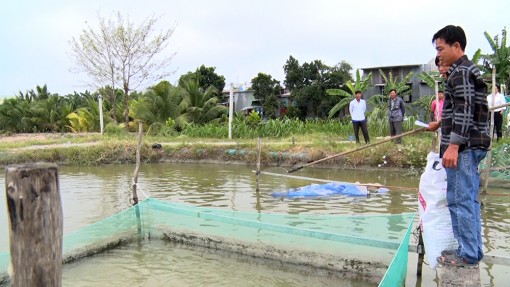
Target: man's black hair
x: 440, y: 91
x: 358, y: 91
x: 451, y: 34
x: 392, y: 90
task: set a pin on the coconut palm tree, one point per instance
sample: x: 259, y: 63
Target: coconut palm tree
x: 16, y: 116
x: 158, y: 104
x: 49, y: 114
x: 197, y: 105
x: 86, y: 118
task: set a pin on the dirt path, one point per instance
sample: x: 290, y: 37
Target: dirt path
x: 26, y: 137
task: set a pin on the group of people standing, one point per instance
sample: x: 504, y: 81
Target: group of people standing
x: 462, y: 113
x: 396, y: 109
x: 396, y: 112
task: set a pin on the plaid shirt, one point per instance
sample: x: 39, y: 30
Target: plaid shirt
x: 465, y: 118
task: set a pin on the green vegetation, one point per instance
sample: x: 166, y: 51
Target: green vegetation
x: 190, y: 120
x: 203, y: 143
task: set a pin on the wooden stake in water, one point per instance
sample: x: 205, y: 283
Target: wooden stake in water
x: 137, y: 168
x: 259, y: 156
x: 35, y: 224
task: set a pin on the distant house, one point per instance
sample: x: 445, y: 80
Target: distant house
x: 243, y: 100
x: 284, y: 100
x: 418, y: 87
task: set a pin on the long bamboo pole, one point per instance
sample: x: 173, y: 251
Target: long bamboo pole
x: 357, y: 149
x: 485, y: 173
x: 377, y: 185
x: 499, y: 106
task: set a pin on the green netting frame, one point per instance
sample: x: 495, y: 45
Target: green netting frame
x: 500, y: 159
x: 396, y: 273
x: 364, y: 244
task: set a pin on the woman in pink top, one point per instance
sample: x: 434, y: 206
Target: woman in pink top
x: 436, y: 112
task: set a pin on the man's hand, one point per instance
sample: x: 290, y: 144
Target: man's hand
x: 433, y: 126
x: 451, y: 156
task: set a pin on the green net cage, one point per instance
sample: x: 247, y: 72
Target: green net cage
x: 371, y: 247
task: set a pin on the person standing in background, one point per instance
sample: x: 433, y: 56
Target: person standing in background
x: 436, y: 109
x: 358, y: 108
x: 396, y: 112
x: 436, y: 113
x: 499, y: 99
x: 442, y: 68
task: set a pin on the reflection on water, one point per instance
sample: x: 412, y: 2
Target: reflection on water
x: 159, y: 263
x: 90, y: 194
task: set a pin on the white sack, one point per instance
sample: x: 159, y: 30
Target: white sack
x: 435, y: 220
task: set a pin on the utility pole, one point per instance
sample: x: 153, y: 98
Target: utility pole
x: 230, y: 110
x: 100, y: 100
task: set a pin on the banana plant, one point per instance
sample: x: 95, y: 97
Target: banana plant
x: 500, y: 58
x: 394, y: 83
x: 359, y: 85
x: 378, y: 102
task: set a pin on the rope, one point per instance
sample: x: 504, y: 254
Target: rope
x: 146, y: 216
x: 145, y: 194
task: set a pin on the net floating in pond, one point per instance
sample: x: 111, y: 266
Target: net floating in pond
x: 327, y: 189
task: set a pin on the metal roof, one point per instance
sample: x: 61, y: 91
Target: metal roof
x: 395, y: 66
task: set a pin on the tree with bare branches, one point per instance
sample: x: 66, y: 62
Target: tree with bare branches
x: 121, y: 54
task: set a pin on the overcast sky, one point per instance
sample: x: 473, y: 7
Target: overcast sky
x: 240, y: 38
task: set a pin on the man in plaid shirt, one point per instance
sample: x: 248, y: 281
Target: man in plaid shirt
x: 464, y: 143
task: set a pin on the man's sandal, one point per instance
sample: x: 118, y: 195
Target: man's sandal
x: 452, y: 260
x: 448, y: 252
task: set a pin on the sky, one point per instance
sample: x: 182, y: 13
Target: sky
x: 239, y: 38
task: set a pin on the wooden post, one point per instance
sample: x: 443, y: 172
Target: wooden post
x: 259, y: 152
x: 35, y: 224
x: 421, y: 252
x: 137, y: 168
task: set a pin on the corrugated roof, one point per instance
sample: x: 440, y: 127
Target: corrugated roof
x: 395, y: 66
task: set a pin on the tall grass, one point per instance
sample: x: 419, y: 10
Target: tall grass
x: 281, y: 128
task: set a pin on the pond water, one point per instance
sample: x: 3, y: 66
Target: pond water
x: 90, y: 194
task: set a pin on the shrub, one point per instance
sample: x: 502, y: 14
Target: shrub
x: 113, y: 129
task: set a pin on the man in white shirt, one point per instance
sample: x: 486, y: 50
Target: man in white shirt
x: 499, y: 99
x: 357, y: 108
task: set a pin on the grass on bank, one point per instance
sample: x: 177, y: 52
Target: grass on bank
x: 94, y: 149
x: 292, y: 143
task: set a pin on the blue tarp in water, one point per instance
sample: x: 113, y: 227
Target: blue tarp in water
x: 327, y: 189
